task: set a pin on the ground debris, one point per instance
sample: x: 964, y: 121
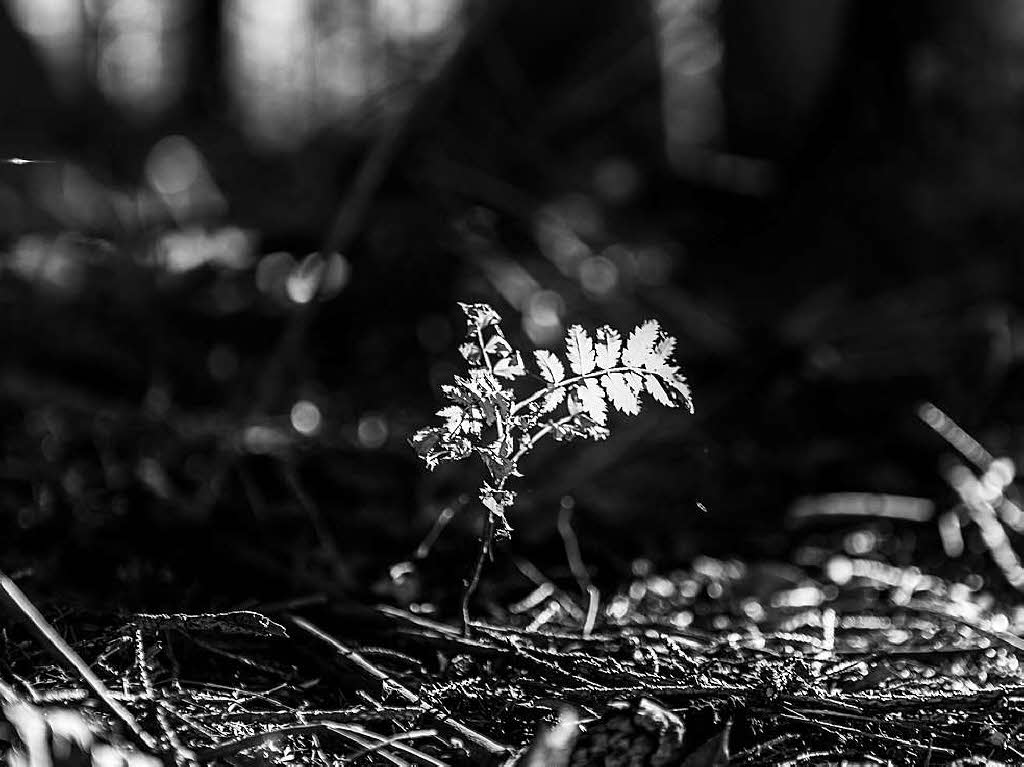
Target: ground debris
x: 796, y: 665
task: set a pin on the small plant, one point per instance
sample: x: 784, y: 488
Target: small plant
x: 567, y: 400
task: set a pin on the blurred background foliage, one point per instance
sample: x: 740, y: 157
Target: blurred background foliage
x: 820, y: 198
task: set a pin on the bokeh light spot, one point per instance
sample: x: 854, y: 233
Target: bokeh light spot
x: 542, y: 320
x: 173, y: 165
x: 306, y: 418
x: 372, y: 431
x: 598, y: 276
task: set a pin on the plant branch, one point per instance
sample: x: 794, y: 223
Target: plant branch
x: 574, y: 380
x: 483, y: 350
x: 546, y: 429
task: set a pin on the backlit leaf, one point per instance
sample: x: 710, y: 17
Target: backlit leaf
x: 657, y: 391
x: 609, y: 342
x: 591, y: 396
x: 453, y: 416
x: 551, y: 400
x: 680, y: 385
x: 621, y: 394
x: 510, y: 366
x: 634, y: 381
x: 498, y: 346
x: 457, y: 393
x: 639, y: 351
x: 470, y: 352
x: 664, y: 348
x: 424, y: 441
x: 478, y: 317
x: 579, y: 349
x: 551, y: 369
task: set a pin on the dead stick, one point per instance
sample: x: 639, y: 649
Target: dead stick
x: 354, y: 732
x: 396, y: 741
x: 478, y: 743
x: 577, y: 566
x: 18, y: 605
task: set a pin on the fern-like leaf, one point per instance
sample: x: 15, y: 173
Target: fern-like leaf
x: 664, y: 348
x: 510, y: 366
x: 621, y: 394
x: 653, y: 385
x: 478, y: 317
x: 579, y: 349
x: 498, y: 346
x: 591, y: 396
x: 551, y: 400
x: 639, y: 351
x: 609, y: 343
x: 679, y: 384
x: 470, y: 352
x: 551, y: 369
x: 453, y: 416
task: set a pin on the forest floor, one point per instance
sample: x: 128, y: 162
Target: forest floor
x: 842, y: 660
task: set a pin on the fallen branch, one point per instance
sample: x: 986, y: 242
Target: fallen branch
x: 481, y: 745
x: 19, y: 607
x: 358, y: 734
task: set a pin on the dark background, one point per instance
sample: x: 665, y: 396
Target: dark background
x: 820, y: 199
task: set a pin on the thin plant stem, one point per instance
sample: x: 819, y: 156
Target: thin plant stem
x: 547, y: 429
x: 478, y: 567
x: 574, y: 380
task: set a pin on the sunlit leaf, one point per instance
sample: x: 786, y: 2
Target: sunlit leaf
x: 579, y: 349
x: 497, y: 346
x: 639, y: 351
x: 653, y: 385
x: 591, y: 396
x: 678, y: 382
x: 510, y: 366
x: 471, y: 353
x: 478, y: 317
x: 453, y: 416
x: 621, y: 394
x: 424, y: 441
x: 551, y: 369
x: 664, y: 348
x: 609, y: 342
x: 552, y: 400
x: 458, y: 394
